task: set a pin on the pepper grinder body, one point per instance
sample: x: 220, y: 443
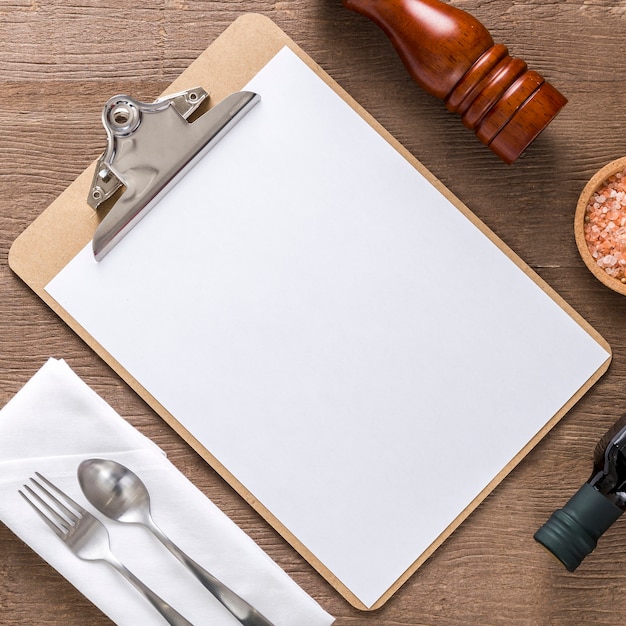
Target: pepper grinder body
x: 452, y: 56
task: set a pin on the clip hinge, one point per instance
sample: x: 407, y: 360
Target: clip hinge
x: 150, y: 146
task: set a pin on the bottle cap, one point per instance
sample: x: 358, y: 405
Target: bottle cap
x: 572, y: 532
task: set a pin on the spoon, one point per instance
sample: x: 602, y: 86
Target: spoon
x: 119, y: 493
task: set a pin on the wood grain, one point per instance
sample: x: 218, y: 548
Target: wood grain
x: 60, y: 60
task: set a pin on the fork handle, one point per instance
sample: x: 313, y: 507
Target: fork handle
x: 242, y: 610
x: 171, y: 615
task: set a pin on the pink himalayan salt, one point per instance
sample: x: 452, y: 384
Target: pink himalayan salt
x: 605, y: 226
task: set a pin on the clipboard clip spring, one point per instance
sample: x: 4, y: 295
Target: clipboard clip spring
x: 150, y: 147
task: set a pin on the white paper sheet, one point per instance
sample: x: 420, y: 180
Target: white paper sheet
x: 338, y: 335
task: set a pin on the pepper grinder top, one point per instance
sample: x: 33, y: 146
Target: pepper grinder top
x: 451, y: 55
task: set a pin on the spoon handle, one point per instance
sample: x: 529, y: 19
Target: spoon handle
x: 242, y: 610
x: 171, y: 615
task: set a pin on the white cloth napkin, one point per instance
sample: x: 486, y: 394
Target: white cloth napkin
x: 54, y: 423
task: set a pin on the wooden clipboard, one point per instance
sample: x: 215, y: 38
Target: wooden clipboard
x: 68, y: 224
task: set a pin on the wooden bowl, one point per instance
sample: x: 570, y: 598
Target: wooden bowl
x: 579, y: 221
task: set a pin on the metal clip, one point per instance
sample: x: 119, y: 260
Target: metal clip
x: 149, y: 148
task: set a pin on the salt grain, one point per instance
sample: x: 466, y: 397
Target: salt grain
x: 606, y: 242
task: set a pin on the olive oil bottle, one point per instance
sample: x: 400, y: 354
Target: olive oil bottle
x: 572, y: 532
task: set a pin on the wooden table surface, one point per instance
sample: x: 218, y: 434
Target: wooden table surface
x: 60, y: 60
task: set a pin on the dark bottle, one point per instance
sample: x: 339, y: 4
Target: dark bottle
x: 572, y: 532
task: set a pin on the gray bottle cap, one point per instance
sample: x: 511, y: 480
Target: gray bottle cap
x: 572, y: 532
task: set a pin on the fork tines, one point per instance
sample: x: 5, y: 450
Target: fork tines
x: 58, y: 511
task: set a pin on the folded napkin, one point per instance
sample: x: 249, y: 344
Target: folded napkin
x: 54, y: 423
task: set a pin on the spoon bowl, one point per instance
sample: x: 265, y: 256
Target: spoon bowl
x: 115, y: 491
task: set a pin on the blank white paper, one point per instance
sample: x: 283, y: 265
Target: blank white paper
x: 333, y: 330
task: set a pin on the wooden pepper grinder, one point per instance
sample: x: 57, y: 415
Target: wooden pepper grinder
x: 453, y: 57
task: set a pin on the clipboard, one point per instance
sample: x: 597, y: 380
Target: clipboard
x: 68, y: 225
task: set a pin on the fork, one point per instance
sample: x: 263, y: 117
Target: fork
x: 87, y: 537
